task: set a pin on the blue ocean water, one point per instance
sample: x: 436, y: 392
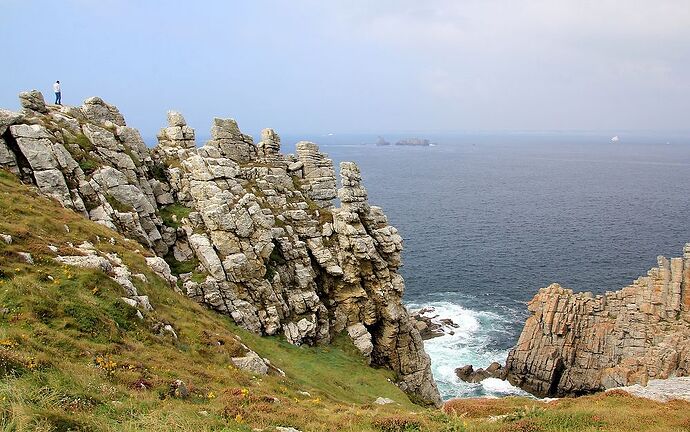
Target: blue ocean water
x: 489, y: 219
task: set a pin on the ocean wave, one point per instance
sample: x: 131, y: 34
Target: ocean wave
x: 472, y: 342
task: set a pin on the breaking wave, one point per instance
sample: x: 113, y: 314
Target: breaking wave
x: 475, y: 341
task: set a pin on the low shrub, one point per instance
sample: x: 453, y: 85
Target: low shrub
x: 397, y: 423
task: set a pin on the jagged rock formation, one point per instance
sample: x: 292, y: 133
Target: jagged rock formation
x: 317, y: 171
x: 579, y: 343
x: 252, y: 233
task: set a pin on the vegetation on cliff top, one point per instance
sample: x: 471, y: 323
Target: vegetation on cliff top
x: 74, y: 357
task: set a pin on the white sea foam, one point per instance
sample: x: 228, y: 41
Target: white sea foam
x: 470, y: 344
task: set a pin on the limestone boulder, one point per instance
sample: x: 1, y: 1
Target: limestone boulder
x: 251, y: 362
x: 96, y: 110
x: 33, y: 101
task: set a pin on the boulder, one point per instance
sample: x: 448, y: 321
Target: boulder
x: 162, y: 269
x: 7, y: 118
x: 33, y: 101
x: 96, y: 110
x: 252, y: 363
x: 26, y: 257
x: 178, y: 389
x: 469, y: 374
x: 88, y: 261
x: 361, y: 338
x: 175, y: 119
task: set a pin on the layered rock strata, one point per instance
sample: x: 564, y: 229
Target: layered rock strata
x: 574, y: 344
x: 250, y: 232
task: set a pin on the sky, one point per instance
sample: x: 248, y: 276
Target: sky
x: 360, y: 66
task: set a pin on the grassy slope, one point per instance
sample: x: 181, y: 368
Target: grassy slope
x: 53, y: 331
x: 74, y: 357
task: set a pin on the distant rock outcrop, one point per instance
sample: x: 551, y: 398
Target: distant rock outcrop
x: 574, y: 344
x: 381, y: 141
x: 250, y: 232
x: 414, y: 142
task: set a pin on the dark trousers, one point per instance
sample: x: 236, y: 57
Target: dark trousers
x: 58, y: 98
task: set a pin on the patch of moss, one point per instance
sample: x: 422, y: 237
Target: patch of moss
x: 180, y: 267
x: 84, y: 143
x: 117, y: 205
x: 173, y: 214
x: 198, y: 277
x: 88, y: 165
x: 81, y: 149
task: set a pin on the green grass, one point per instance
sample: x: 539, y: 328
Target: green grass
x: 81, y: 150
x: 84, y: 143
x: 173, y: 214
x: 117, y: 205
x: 88, y: 165
x: 180, y: 267
x: 61, y: 320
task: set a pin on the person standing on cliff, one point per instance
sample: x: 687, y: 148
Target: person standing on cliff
x: 58, y: 94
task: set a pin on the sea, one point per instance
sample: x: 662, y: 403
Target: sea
x: 490, y: 218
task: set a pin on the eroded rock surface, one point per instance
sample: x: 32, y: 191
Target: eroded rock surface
x: 257, y: 231
x: 579, y: 343
x: 660, y: 390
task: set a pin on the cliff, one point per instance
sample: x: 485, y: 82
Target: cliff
x: 244, y: 229
x: 574, y: 344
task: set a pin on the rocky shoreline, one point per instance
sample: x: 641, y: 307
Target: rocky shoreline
x: 577, y: 344
x: 246, y: 230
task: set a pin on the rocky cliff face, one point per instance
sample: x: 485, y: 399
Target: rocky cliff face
x: 578, y: 343
x: 248, y: 231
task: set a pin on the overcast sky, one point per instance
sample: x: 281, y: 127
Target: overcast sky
x: 304, y: 66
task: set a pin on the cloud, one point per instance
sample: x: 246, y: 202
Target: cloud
x: 481, y: 58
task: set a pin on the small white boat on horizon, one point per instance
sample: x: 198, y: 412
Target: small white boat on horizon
x: 615, y: 139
